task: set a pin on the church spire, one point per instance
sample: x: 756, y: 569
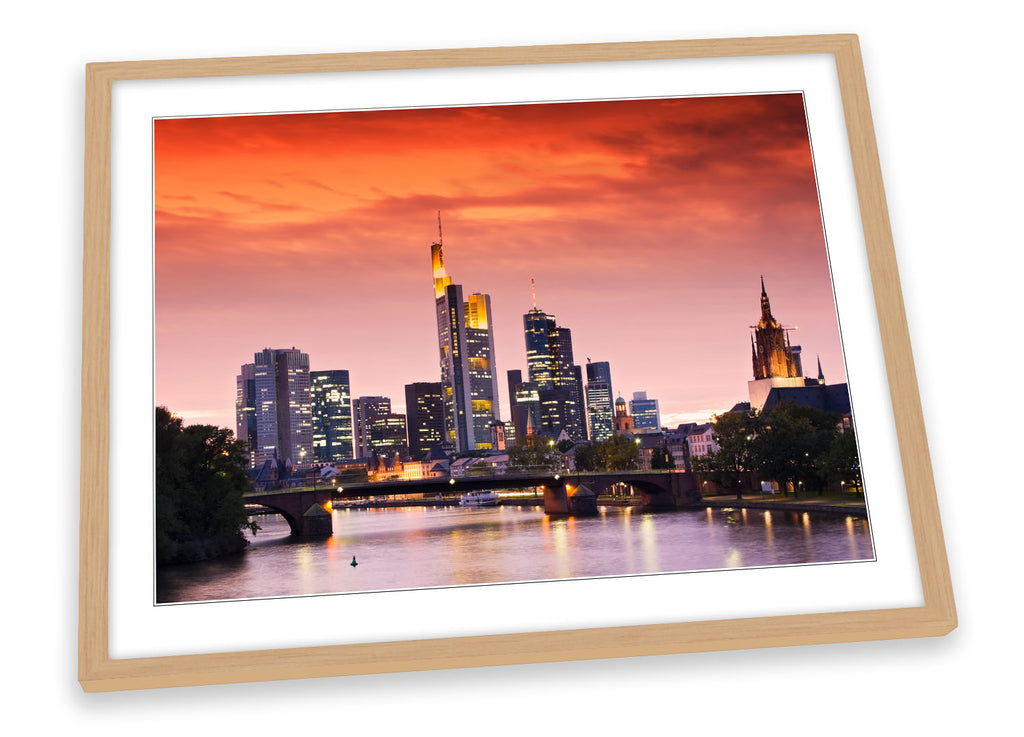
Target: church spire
x: 771, y: 351
x: 821, y: 374
x: 766, y: 307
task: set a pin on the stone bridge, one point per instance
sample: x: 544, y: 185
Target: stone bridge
x: 306, y: 510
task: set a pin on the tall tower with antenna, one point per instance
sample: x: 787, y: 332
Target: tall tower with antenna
x: 550, y: 365
x: 465, y: 337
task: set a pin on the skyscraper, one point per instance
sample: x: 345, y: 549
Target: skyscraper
x: 378, y: 429
x: 245, y: 409
x: 424, y: 411
x: 280, y: 403
x: 468, y: 373
x: 600, y: 409
x: 549, y: 362
x: 332, y: 415
x: 646, y: 415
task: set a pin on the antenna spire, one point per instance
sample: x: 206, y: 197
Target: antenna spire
x: 533, y: 291
x: 440, y: 240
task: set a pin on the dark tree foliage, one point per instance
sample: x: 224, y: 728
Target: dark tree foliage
x: 621, y: 453
x: 617, y: 453
x: 840, y: 463
x: 796, y: 445
x: 534, y: 453
x: 589, y: 456
x: 200, y: 477
x: 790, y: 443
x: 662, y: 459
x: 734, y: 433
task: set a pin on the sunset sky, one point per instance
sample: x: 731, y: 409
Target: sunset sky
x: 646, y: 225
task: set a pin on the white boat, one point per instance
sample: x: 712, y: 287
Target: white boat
x: 479, y: 499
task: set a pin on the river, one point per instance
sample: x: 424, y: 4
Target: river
x: 417, y: 547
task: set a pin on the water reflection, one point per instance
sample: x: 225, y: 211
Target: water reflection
x: 416, y: 547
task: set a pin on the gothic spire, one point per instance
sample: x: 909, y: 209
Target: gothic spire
x: 766, y: 308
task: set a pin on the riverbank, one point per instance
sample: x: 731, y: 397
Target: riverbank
x: 788, y: 504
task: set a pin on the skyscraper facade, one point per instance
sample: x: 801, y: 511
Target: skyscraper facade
x: 600, y: 409
x: 468, y: 372
x: 646, y: 415
x: 281, y: 404
x: 424, y: 411
x: 378, y: 429
x: 332, y: 415
x: 549, y: 363
x: 483, y: 379
x: 245, y: 409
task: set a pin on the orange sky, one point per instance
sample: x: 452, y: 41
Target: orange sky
x: 646, y: 224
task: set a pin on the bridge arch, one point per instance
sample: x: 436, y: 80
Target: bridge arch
x: 303, y: 510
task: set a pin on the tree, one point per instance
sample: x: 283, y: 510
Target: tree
x: 791, y: 442
x: 589, y: 456
x: 733, y: 434
x: 200, y: 477
x: 534, y: 453
x: 661, y: 458
x: 617, y: 453
x: 841, y: 462
x: 621, y: 453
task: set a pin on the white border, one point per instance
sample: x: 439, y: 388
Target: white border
x: 140, y: 629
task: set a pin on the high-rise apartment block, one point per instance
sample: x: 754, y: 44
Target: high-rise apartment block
x: 600, y: 408
x: 424, y: 411
x: 332, y: 415
x: 273, y: 394
x: 646, y: 416
x: 245, y: 409
x: 465, y: 337
x: 549, y: 363
x: 378, y: 429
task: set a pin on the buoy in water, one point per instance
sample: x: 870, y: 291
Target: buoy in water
x: 353, y: 563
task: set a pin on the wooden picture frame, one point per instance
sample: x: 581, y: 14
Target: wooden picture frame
x: 98, y: 671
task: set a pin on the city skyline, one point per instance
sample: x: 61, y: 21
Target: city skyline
x: 645, y: 224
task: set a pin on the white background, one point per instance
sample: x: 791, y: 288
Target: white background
x: 943, y: 93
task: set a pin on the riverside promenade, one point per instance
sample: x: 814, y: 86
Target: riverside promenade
x: 813, y: 503
x: 848, y: 504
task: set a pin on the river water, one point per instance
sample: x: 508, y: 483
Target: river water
x: 417, y: 547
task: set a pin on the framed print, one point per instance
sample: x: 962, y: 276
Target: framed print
x: 359, y: 332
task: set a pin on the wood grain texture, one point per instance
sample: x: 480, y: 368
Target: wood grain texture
x: 98, y: 672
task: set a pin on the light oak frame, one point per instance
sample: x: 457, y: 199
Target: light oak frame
x: 98, y: 672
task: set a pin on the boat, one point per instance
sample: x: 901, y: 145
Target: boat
x: 479, y: 499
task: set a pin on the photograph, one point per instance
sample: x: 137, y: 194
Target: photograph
x: 493, y: 344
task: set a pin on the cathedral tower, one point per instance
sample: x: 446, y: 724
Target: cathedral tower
x: 772, y: 356
x: 770, y: 350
